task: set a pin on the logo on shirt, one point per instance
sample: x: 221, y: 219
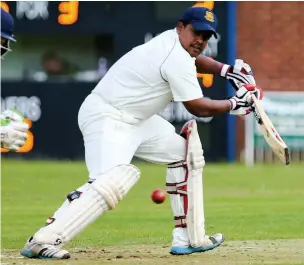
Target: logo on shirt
x: 209, y: 16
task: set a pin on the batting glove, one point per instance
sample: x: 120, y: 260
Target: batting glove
x: 238, y: 74
x: 242, y: 101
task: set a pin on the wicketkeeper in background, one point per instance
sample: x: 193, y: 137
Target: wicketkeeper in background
x: 13, y: 126
x: 119, y: 120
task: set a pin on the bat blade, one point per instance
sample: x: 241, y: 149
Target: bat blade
x: 270, y: 133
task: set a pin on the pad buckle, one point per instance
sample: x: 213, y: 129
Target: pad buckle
x: 177, y: 188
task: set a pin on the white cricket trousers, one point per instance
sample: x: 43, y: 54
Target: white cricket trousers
x: 110, y: 141
x: 112, y: 138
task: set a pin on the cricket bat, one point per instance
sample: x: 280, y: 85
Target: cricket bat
x: 271, y: 135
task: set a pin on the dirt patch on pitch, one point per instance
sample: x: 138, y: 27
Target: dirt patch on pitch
x: 230, y: 253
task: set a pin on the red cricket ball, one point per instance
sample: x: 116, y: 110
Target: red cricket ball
x: 158, y: 196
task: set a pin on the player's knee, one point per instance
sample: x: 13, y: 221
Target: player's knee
x: 113, y: 185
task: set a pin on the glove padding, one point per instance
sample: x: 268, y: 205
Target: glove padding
x: 13, y: 115
x: 242, y: 101
x: 238, y: 74
x: 13, y: 130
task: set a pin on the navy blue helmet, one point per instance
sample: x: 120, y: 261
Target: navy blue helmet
x: 7, y: 26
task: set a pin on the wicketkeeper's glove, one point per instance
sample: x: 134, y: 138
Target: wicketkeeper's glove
x: 13, y: 130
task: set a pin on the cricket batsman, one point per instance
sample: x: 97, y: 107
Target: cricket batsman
x: 119, y: 120
x: 13, y: 127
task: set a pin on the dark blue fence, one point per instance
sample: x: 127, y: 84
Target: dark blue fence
x: 53, y: 108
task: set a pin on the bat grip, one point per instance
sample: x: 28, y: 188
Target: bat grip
x: 255, y: 111
x: 254, y: 98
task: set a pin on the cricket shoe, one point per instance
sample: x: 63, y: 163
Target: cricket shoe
x: 34, y: 250
x: 211, y: 243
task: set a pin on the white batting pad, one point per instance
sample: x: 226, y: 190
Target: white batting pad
x: 195, y: 162
x: 62, y: 209
x: 177, y: 176
x: 103, y: 195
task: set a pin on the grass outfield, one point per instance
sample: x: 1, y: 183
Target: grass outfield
x: 246, y: 204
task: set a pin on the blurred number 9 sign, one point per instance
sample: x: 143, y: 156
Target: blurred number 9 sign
x: 4, y: 6
x: 69, y: 12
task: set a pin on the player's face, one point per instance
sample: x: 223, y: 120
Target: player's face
x: 193, y: 41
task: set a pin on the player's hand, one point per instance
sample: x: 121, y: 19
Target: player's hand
x: 13, y: 130
x: 242, y: 71
x: 239, y: 74
x: 13, y: 115
x: 242, y: 101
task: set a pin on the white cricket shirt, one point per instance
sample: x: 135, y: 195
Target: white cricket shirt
x: 144, y: 81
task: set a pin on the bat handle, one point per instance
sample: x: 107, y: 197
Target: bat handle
x: 255, y: 111
x: 254, y: 98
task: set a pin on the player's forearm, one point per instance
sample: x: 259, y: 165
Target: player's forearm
x: 214, y: 108
x: 205, y: 107
x: 206, y: 65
